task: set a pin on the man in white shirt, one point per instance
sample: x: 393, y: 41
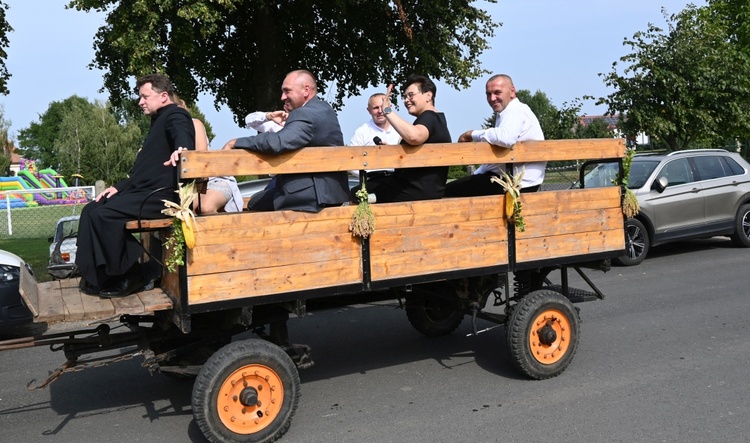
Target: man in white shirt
x: 377, y: 128
x: 514, y: 122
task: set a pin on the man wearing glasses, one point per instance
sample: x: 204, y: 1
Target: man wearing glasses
x: 407, y: 184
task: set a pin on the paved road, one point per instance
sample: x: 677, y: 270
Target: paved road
x: 663, y: 358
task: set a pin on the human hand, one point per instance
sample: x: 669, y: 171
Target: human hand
x: 230, y: 144
x: 387, y: 98
x: 107, y: 193
x: 279, y: 117
x: 465, y: 137
x: 175, y: 157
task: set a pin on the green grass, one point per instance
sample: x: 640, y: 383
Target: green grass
x: 34, y: 251
x: 34, y: 222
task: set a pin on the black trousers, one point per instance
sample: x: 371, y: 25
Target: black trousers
x: 105, y: 249
x: 478, y: 185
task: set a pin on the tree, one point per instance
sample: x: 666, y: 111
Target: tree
x: 598, y: 128
x: 75, y: 136
x: 5, y: 29
x: 6, y: 143
x: 685, y: 87
x: 240, y: 51
x: 556, y: 123
x: 92, y: 143
x: 38, y: 140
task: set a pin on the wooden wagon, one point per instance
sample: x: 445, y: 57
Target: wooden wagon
x: 445, y: 259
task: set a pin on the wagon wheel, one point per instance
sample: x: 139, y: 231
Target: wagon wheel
x: 543, y: 334
x: 433, y: 316
x: 246, y: 392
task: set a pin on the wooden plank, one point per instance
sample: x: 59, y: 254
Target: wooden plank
x: 197, y: 164
x: 429, y: 261
x: 569, y: 245
x: 72, y: 303
x: 95, y: 307
x: 255, y: 226
x: 51, y: 308
x: 431, y: 212
x: 556, y: 223
x: 570, y: 200
x: 240, y: 255
x: 29, y: 290
x: 147, y: 225
x: 449, y: 235
x: 154, y: 300
x: 268, y: 281
x: 131, y: 304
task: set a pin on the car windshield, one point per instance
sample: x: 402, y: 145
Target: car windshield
x: 66, y: 228
x: 605, y: 174
x: 640, y: 171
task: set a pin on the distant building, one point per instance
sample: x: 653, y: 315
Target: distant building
x: 15, y: 162
x: 612, y: 124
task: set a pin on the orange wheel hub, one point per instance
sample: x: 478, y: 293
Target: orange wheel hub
x: 250, y: 399
x: 549, y: 337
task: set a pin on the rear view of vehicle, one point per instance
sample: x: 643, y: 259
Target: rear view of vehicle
x: 62, y: 250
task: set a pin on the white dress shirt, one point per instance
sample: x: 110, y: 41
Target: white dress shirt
x: 514, y: 124
x: 364, y: 135
x: 257, y: 120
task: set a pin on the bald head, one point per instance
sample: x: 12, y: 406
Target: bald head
x: 298, y: 88
x: 500, y: 91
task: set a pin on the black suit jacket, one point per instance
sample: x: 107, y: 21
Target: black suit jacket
x: 314, y: 124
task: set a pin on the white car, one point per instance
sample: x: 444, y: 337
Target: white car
x: 12, y: 310
x: 62, y: 250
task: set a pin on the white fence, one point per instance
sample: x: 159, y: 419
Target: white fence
x: 33, y: 213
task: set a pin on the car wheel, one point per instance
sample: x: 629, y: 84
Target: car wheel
x: 741, y: 236
x: 636, y: 243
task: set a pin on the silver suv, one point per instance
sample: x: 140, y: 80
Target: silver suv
x: 683, y: 195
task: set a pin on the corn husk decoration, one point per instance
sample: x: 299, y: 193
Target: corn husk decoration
x: 184, y: 227
x: 630, y: 205
x: 363, y: 221
x: 512, y: 187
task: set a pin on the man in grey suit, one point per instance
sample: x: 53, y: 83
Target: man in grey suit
x: 311, y: 122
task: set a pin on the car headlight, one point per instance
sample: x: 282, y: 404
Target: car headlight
x: 9, y: 273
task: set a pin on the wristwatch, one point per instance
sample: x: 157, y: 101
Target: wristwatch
x: 387, y: 110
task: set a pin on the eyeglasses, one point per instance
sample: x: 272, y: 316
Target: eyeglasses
x: 410, y: 95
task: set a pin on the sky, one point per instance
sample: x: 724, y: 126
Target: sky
x: 555, y: 46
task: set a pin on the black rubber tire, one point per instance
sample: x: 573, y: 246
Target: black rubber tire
x: 637, y: 244
x: 741, y: 235
x: 558, y: 311
x: 433, y: 316
x: 246, y: 354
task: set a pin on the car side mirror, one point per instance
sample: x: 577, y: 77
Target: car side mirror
x: 660, y: 184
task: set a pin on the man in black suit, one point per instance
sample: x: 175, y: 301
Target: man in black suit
x: 311, y: 122
x: 107, y: 255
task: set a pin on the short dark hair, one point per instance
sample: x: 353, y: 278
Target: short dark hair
x: 159, y: 83
x: 424, y: 83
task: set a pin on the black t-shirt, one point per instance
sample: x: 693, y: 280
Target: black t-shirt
x: 426, y: 183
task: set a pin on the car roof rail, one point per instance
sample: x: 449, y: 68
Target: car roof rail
x: 690, y: 151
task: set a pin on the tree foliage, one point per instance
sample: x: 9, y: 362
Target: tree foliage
x: 92, y: 143
x: 75, y: 136
x: 5, y: 29
x: 239, y: 51
x: 687, y: 86
x: 6, y: 144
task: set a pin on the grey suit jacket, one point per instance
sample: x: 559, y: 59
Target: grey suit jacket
x: 314, y: 124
